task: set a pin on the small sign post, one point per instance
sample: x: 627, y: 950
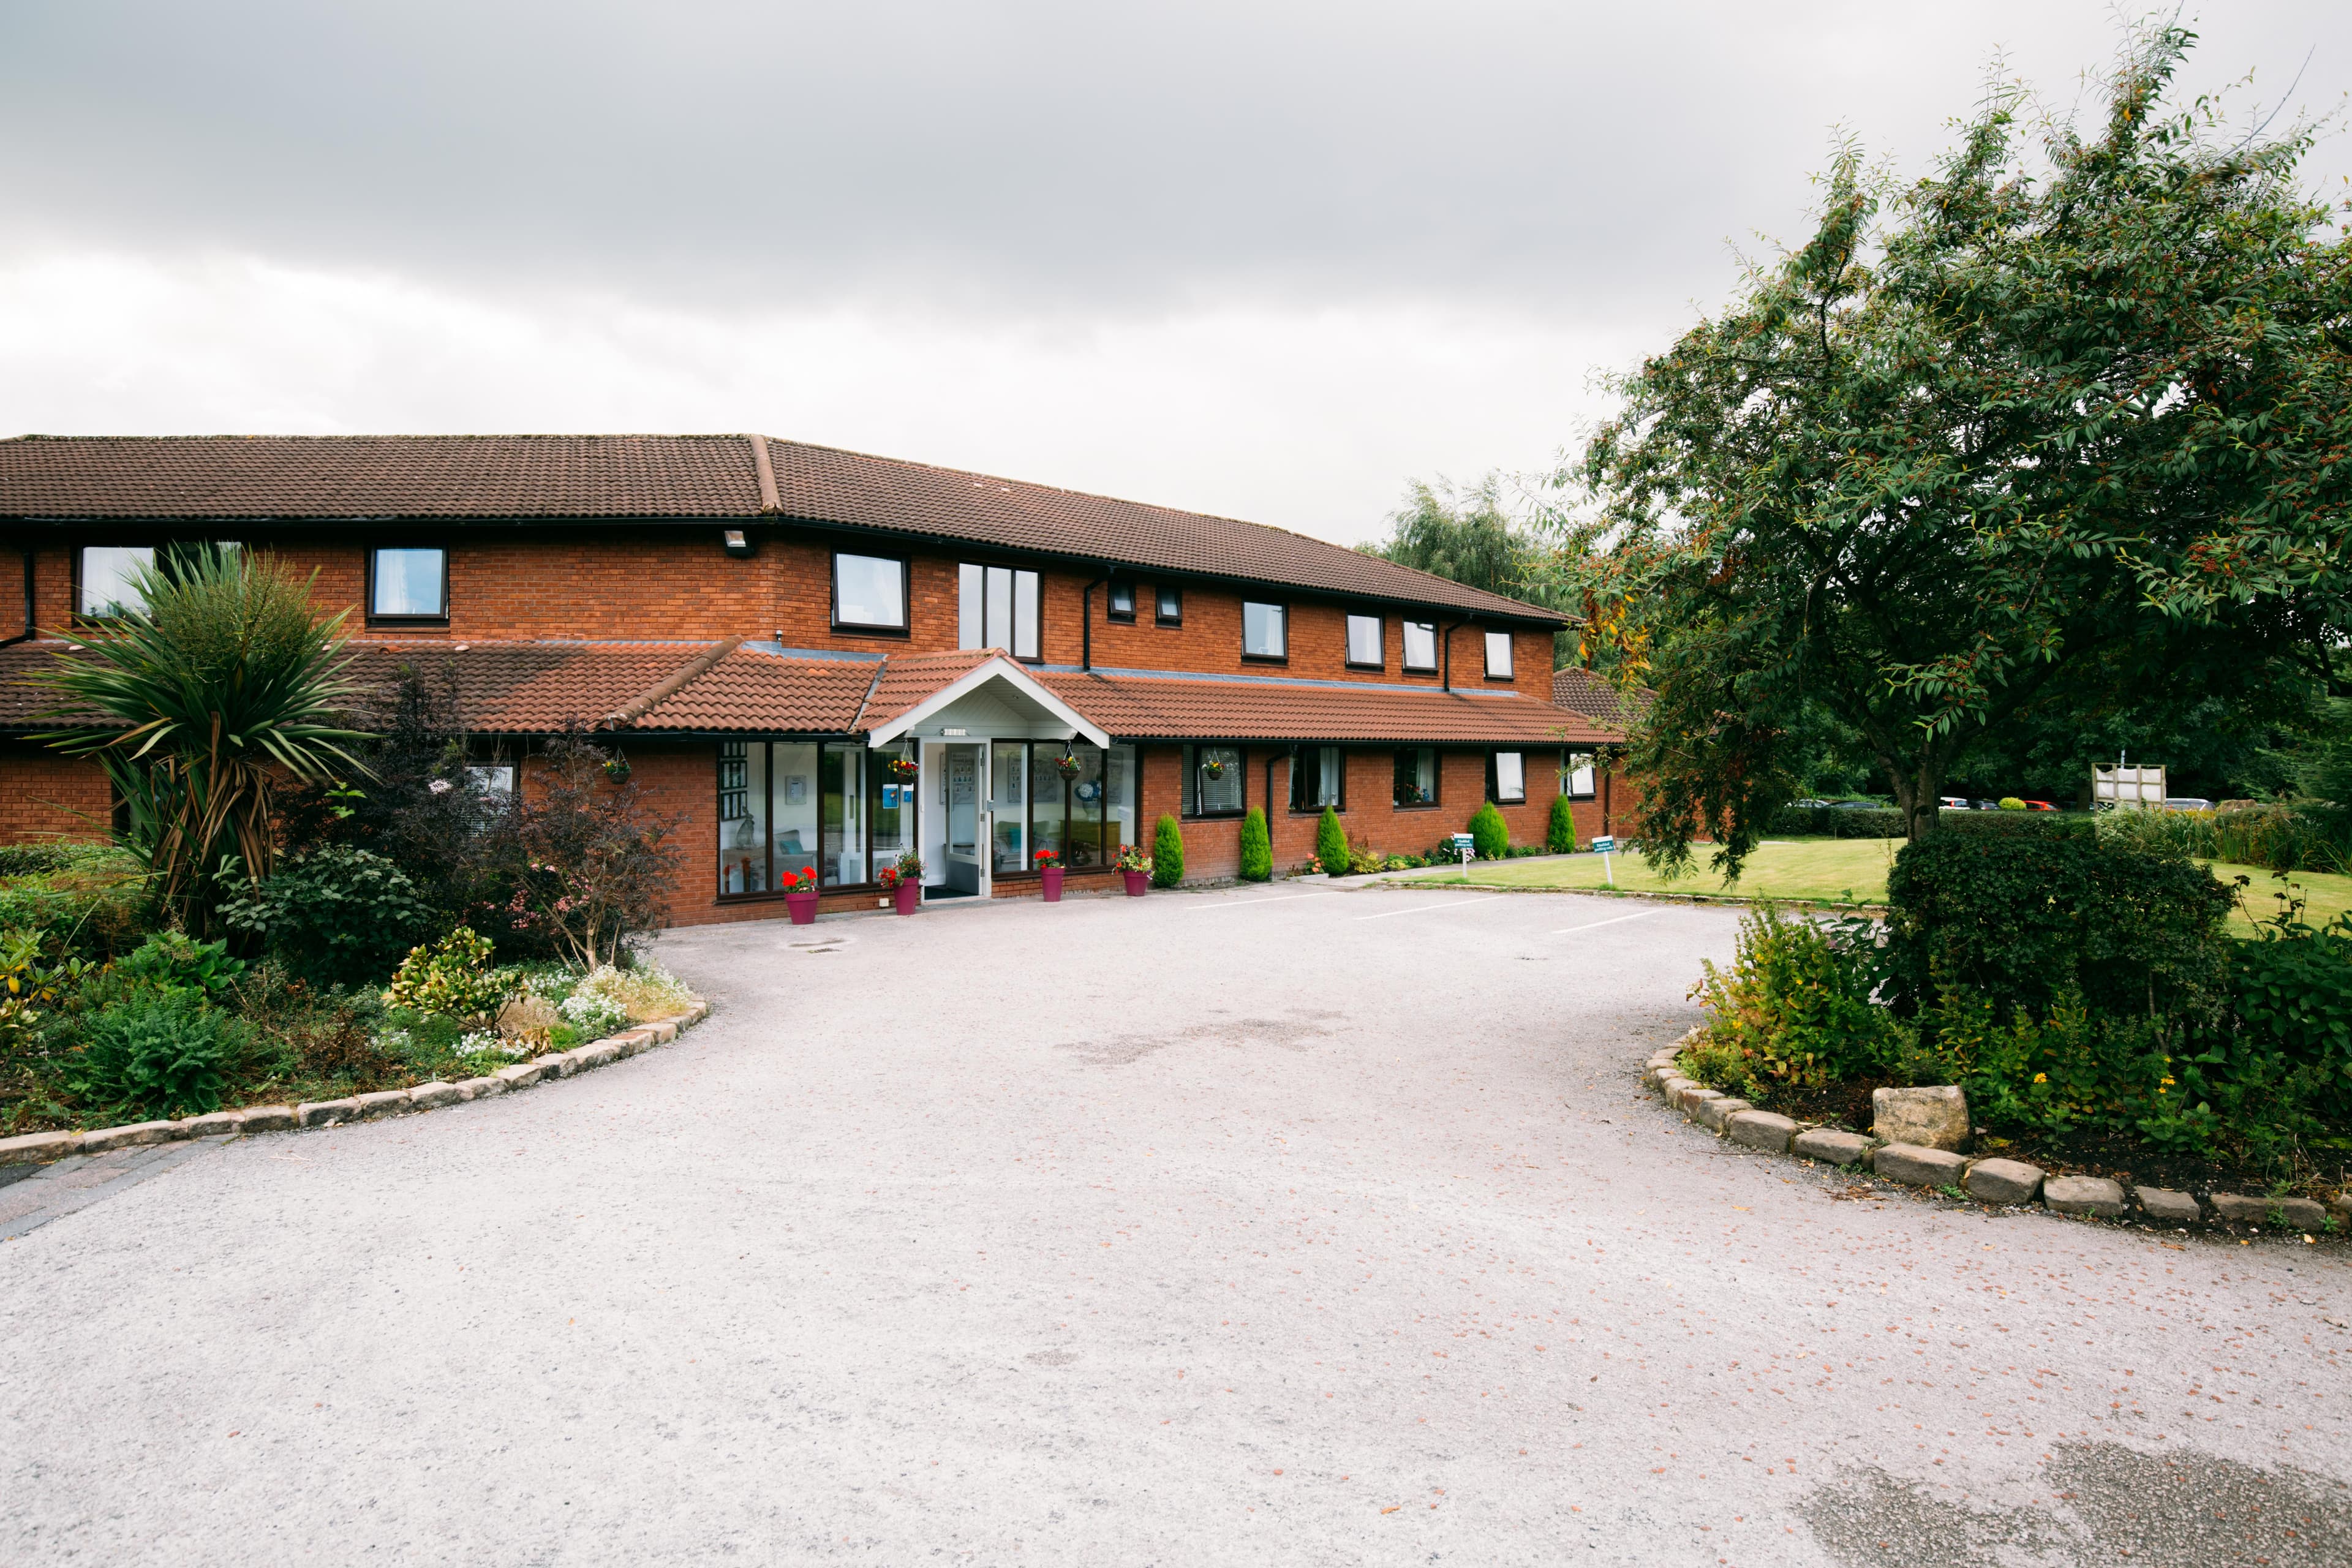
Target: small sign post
x: 1467, y: 848
x: 1601, y: 847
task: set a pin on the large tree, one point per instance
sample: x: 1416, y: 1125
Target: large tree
x: 2070, y: 413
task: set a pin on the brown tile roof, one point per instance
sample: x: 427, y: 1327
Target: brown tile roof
x: 250, y: 479
x: 909, y: 677
x: 828, y: 485
x: 750, y: 689
x: 242, y: 476
x: 1145, y: 708
x: 1596, y: 697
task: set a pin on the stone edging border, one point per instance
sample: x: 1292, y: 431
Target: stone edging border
x: 42, y: 1147
x: 1990, y: 1181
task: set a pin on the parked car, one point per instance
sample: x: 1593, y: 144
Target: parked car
x: 2187, y: 802
x: 1953, y: 801
x: 2039, y: 805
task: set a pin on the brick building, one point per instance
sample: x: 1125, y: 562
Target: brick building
x: 820, y: 659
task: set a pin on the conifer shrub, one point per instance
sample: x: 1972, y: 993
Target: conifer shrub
x: 1257, y: 847
x: 1559, y: 837
x: 1490, y: 832
x: 1331, y: 845
x: 1167, y: 853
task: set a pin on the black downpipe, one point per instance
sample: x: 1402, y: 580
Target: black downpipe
x: 25, y: 636
x: 1086, y: 620
x: 1445, y: 636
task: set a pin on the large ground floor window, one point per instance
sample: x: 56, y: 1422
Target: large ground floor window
x: 835, y: 807
x: 1076, y: 800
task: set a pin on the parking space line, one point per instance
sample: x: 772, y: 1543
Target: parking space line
x: 1424, y: 909
x: 1613, y: 920
x: 1253, y: 904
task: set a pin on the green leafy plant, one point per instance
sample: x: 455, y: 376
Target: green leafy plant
x: 1489, y: 832
x: 1331, y: 845
x: 1167, y: 852
x: 93, y: 899
x: 223, y: 688
x: 157, y: 1053
x: 172, y: 960
x: 1257, y: 847
x: 335, y: 914
x: 452, y: 977
x: 591, y: 863
x: 1795, y: 1008
x: 1559, y: 833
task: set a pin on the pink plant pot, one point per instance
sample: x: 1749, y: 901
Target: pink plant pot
x: 910, y: 897
x: 1052, y: 877
x: 803, y: 907
x: 1136, y: 882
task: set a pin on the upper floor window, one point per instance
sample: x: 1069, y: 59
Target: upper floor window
x: 1506, y: 777
x: 1122, y: 602
x: 1498, y: 655
x: 1318, y: 777
x: 1171, y: 605
x: 1364, y: 642
x: 1421, y: 645
x: 107, y: 575
x: 869, y: 593
x: 1265, y: 633
x: 1576, y: 775
x: 408, y: 584
x: 997, y: 607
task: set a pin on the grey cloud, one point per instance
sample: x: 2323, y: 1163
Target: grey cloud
x: 1566, y: 160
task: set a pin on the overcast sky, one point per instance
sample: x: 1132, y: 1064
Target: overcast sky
x: 1270, y: 259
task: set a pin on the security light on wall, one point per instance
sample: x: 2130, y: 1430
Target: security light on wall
x: 738, y: 542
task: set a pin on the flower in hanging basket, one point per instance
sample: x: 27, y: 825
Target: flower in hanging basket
x: 617, y: 769
x: 1067, y: 765
x: 904, y: 767
x: 1214, y: 768
x: 1047, y: 859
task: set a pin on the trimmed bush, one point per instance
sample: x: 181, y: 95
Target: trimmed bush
x: 1559, y: 835
x: 2022, y: 919
x: 452, y: 976
x: 2010, y: 802
x: 1836, y: 822
x: 157, y: 1054
x: 1490, y: 832
x: 1167, y: 852
x: 1257, y: 847
x: 1331, y: 845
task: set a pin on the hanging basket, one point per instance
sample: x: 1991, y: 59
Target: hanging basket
x: 1067, y: 766
x: 1213, y: 769
x: 904, y: 767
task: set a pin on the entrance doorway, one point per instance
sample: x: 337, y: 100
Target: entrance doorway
x: 966, y: 815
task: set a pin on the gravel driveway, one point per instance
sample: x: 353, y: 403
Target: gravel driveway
x: 1280, y: 1227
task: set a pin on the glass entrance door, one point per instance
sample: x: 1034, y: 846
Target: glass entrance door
x: 964, y: 796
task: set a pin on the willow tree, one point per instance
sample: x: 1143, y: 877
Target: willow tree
x: 2071, y: 410
x: 217, y: 687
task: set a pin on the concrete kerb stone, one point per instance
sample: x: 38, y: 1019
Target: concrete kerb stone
x: 2007, y: 1183
x: 41, y: 1147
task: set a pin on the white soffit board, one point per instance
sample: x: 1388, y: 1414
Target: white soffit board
x: 995, y: 672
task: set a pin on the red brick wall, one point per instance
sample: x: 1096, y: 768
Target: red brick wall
x: 46, y: 796
x: 676, y: 582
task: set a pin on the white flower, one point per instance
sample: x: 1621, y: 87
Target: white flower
x: 439, y: 786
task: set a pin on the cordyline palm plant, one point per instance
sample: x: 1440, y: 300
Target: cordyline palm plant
x: 198, y: 706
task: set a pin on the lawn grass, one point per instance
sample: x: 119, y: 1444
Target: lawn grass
x: 1841, y: 872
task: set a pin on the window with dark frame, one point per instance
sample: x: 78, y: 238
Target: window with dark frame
x: 1416, y: 776
x: 869, y: 593
x: 1170, y: 606
x: 1506, y: 777
x: 1366, y: 642
x: 1421, y: 647
x: 408, y: 583
x: 997, y: 607
x: 1498, y: 655
x: 1120, y: 605
x: 1066, y: 796
x: 1213, y: 782
x: 1576, y: 775
x: 105, y: 574
x: 1318, y: 777
x: 1266, y: 630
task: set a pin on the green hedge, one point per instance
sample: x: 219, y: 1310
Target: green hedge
x: 1885, y: 822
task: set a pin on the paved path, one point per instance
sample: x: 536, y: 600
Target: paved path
x: 1283, y: 1226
